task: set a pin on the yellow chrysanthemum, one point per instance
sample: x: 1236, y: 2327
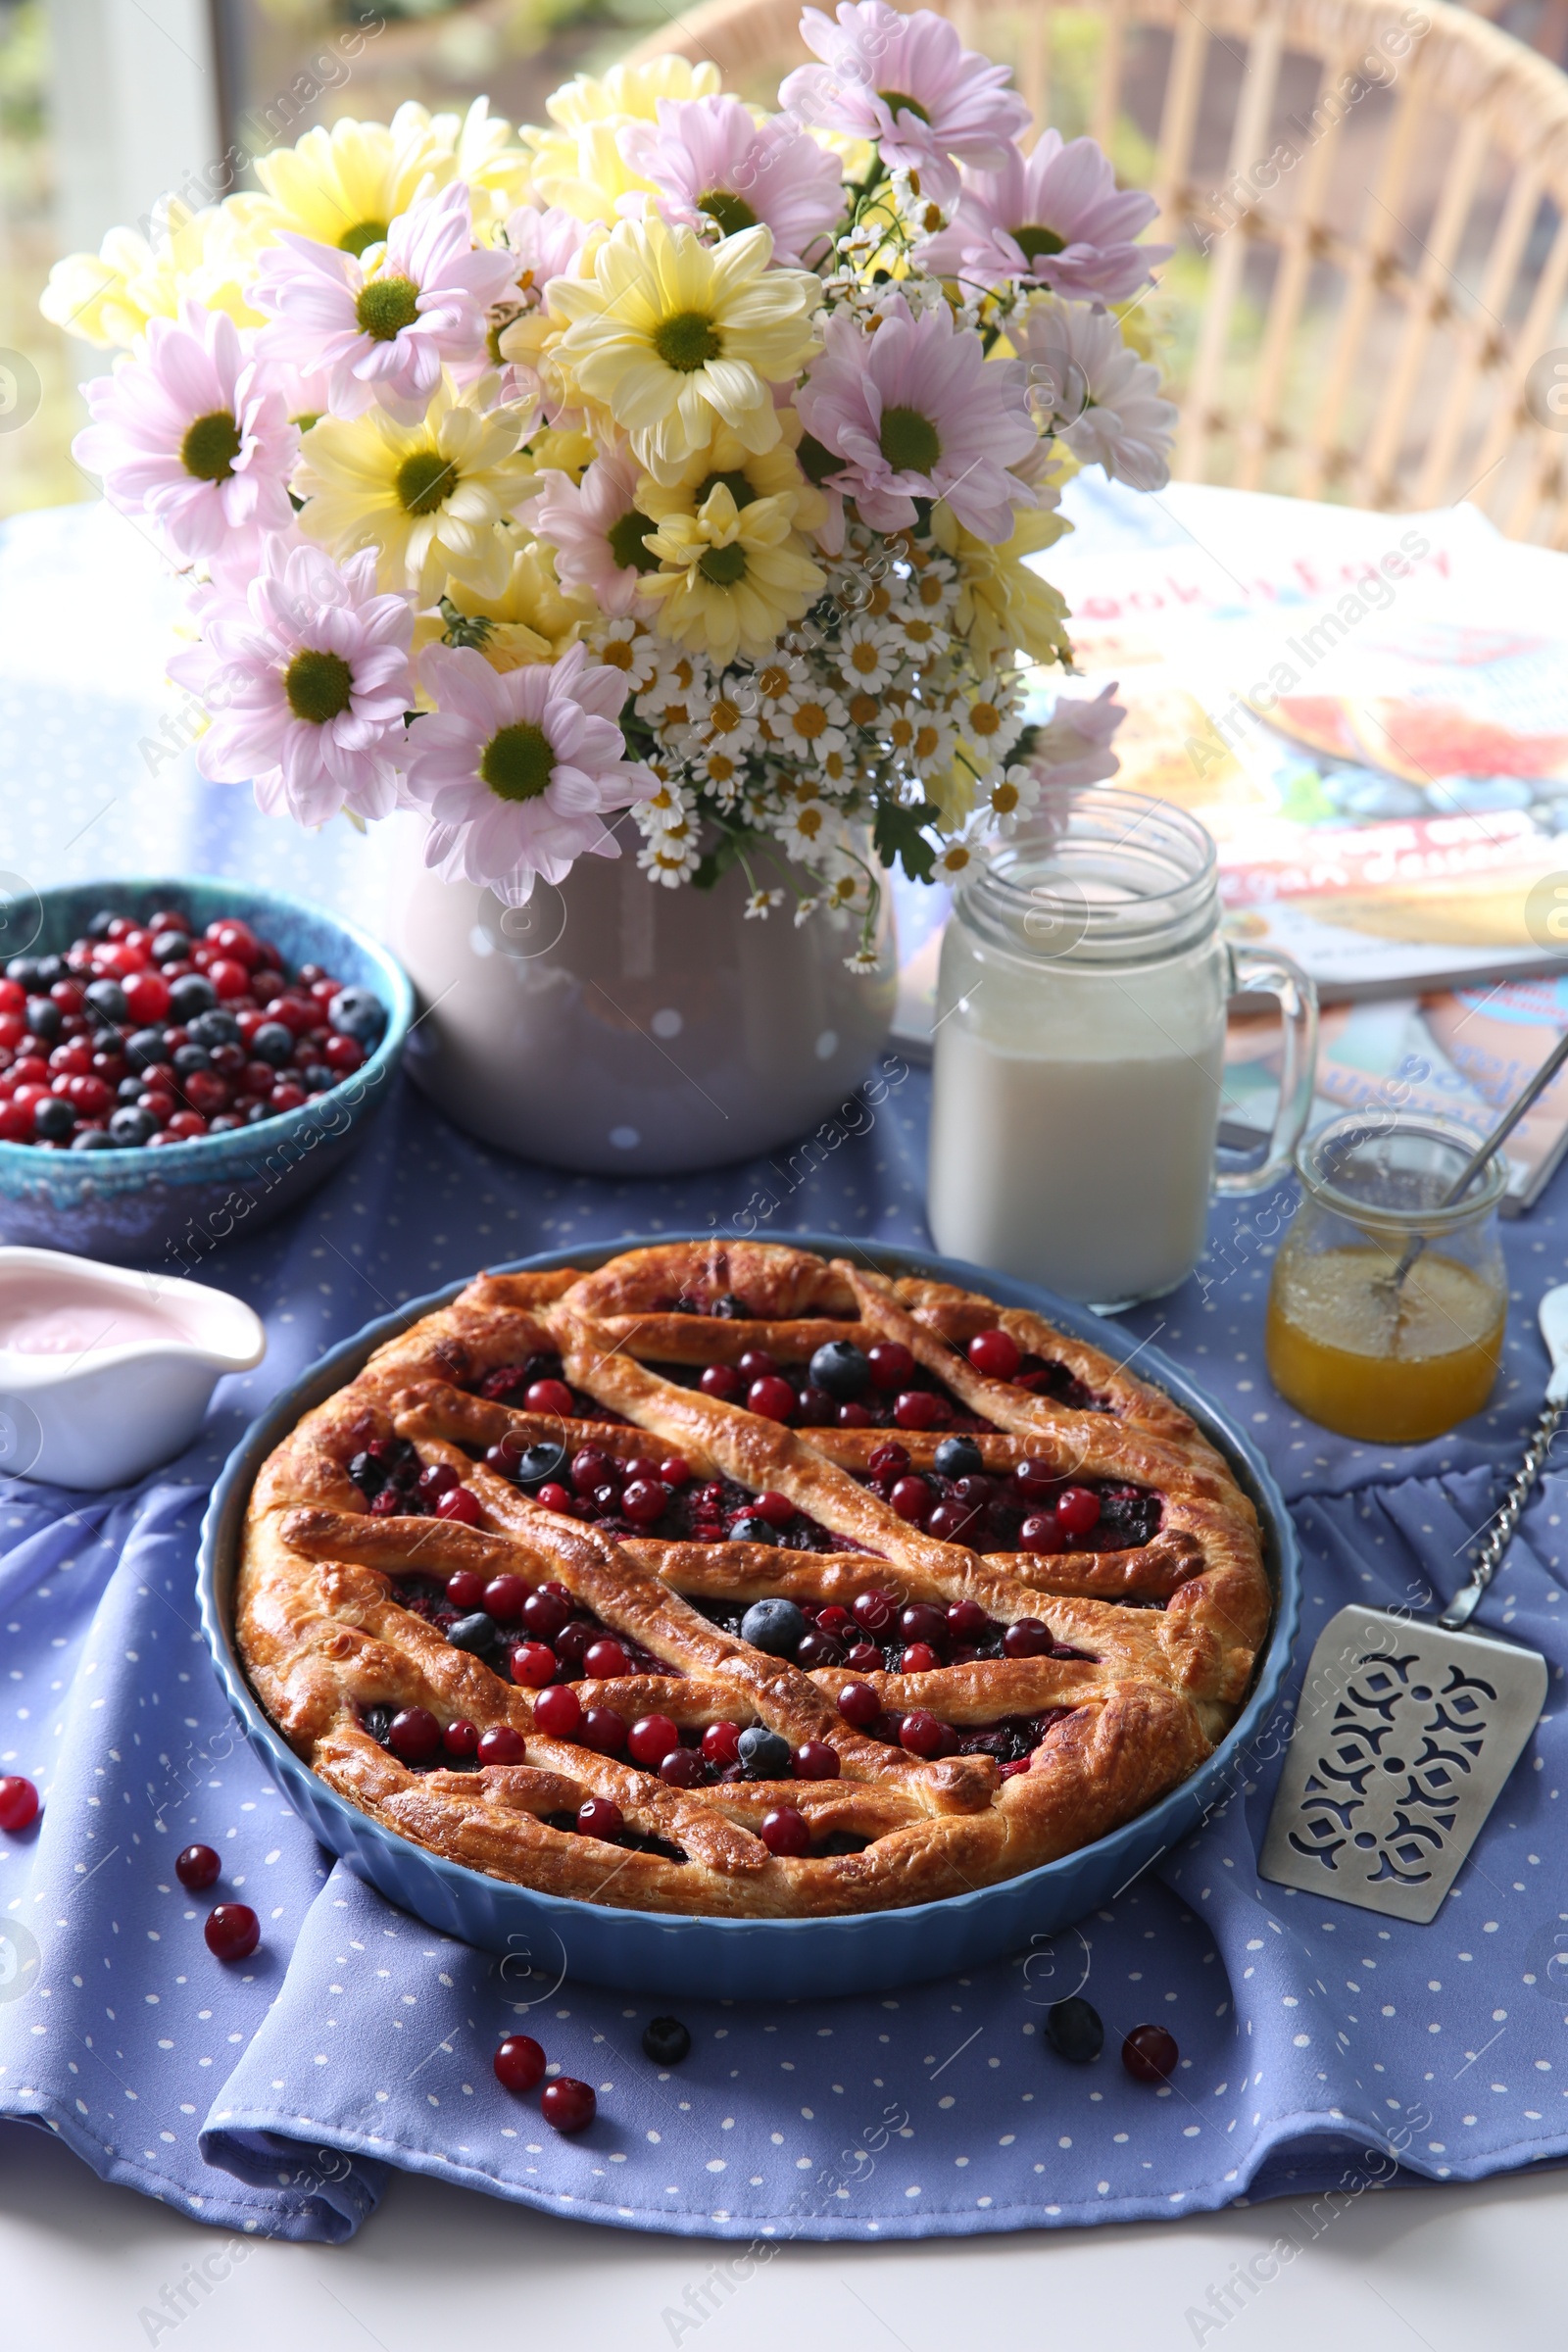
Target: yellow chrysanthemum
x: 671, y: 337
x: 430, y: 498
x: 108, y: 297
x: 532, y: 619
x: 630, y: 92
x: 736, y: 577
x: 745, y: 473
x: 1004, y: 605
x: 584, y: 172
x: 563, y: 451
x: 344, y: 187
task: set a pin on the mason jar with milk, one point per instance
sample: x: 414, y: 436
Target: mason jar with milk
x: 1079, y: 1048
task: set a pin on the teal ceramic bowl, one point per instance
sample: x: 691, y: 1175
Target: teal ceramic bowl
x: 171, y: 1208
x: 747, y: 1959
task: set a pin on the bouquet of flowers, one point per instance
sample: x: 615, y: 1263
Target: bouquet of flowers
x: 676, y: 457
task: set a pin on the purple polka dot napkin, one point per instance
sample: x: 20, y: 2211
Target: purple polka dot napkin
x: 1321, y: 2048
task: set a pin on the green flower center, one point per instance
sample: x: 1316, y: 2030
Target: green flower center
x: 733, y: 213
x: 304, y: 421
x: 360, y: 236
x: 517, y: 762
x: 1038, y: 244
x: 319, y: 686
x: 725, y: 567
x: 815, y: 462
x: 627, y: 540
x: 909, y: 441
x: 210, y: 446
x: 899, y: 102
x: 386, y: 305
x: 739, y: 488
x: 687, y: 341
x: 425, y: 481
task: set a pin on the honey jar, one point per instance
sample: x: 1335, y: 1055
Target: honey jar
x: 1351, y: 1347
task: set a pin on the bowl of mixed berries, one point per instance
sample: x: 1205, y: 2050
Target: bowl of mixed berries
x: 180, y: 1060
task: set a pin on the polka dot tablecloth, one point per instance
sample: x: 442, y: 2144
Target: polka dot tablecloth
x: 1323, y: 2050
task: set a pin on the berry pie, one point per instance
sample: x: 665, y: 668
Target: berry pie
x: 728, y: 1579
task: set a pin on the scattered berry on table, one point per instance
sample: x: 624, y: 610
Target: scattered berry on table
x: 1074, y: 2031
x: 197, y: 1868
x: 520, y: 2062
x: 232, y: 1931
x: 665, y: 2040
x: 19, y: 1802
x: 1150, y: 2054
x: 569, y: 2104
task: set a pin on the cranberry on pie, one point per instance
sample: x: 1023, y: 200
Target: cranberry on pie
x: 727, y: 1579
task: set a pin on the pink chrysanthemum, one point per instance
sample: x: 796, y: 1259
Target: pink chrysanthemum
x: 517, y: 769
x: 916, y: 410
x: 192, y: 431
x: 1056, y: 217
x: 544, y: 242
x: 908, y: 86
x: 384, y: 337
x: 307, y: 674
x: 708, y: 158
x: 597, y: 532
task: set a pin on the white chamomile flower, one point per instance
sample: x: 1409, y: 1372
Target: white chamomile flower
x: 864, y: 960
x: 729, y: 720
x: 868, y: 653
x: 954, y: 857
x: 1011, y: 794
x: 992, y: 721
x: 718, y: 769
x: 625, y: 644
x: 805, y: 830
x: 760, y: 903
x: 670, y: 858
x: 924, y: 637
x: 922, y: 738
x: 836, y: 765
x: 805, y: 909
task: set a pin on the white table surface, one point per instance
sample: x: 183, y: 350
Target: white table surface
x: 442, y: 2269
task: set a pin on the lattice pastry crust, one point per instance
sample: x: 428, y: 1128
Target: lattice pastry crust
x: 1154, y: 1620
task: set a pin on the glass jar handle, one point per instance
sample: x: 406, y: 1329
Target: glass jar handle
x: 1275, y: 975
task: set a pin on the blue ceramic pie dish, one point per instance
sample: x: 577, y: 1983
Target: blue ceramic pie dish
x: 172, y: 1206
x: 744, y: 1959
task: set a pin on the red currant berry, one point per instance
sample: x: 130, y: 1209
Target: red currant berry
x: 558, y: 1711
x: 889, y: 1460
x: 504, y: 1596
x: 520, y: 2062
x: 967, y: 1620
x: 461, y: 1738
x: 923, y: 1736
x: 995, y: 1354
x: 756, y: 1364
x: 438, y: 1478
x: 545, y: 1614
x: 554, y: 1497
x: 912, y: 1497
x: 645, y: 1501
x: 891, y: 1364
x: 853, y: 1416
x: 465, y: 1587
x: 500, y: 1745
x: 1027, y: 1637
x: 285, y: 1096
x: 918, y: 1658
x: 197, y: 1868
x: 918, y: 1409
x: 683, y: 1768
x: 186, y: 1125
x: 872, y: 1611
x: 604, y: 1658
x: 859, y: 1705
x: 771, y: 1397
x: 776, y: 1509
x: 533, y: 1664
x: 950, y: 1522
x: 815, y: 1760
x: 1035, y: 1482
x: 651, y: 1739
x: 1077, y: 1511
x: 724, y: 1382
x: 460, y: 1503
x: 232, y: 1931
x: 599, y: 1817
x: 19, y: 1802
x: 674, y: 1472
x: 550, y: 1396
x: 721, y: 1743
x: 1041, y: 1534
x: 920, y: 1622
x: 591, y: 1468
x: 786, y: 1832
x: 569, y: 2104
x: 415, y: 1735
x: 1150, y: 2054
x: 603, y: 1731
